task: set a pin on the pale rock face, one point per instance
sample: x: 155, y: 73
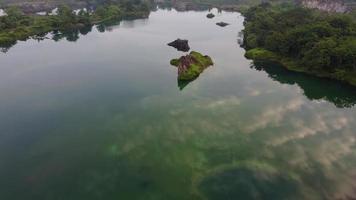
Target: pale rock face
x: 326, y: 5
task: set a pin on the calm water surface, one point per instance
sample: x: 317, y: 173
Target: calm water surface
x: 104, y: 118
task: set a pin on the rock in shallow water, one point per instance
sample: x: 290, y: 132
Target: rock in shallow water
x: 222, y: 24
x: 180, y: 45
x: 192, y: 65
x: 210, y: 15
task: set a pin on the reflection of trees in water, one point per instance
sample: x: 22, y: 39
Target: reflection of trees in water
x: 108, y: 25
x: 340, y: 94
x: 4, y: 47
x: 71, y: 35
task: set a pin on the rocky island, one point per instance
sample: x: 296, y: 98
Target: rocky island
x: 180, y: 45
x: 192, y: 65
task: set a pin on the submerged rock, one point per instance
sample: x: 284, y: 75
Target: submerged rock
x: 210, y: 15
x: 191, y: 66
x: 180, y: 45
x: 222, y: 24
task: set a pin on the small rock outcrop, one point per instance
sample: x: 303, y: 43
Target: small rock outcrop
x: 191, y: 66
x: 222, y: 24
x: 210, y: 15
x: 180, y: 45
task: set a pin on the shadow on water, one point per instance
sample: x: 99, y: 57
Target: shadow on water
x: 340, y: 94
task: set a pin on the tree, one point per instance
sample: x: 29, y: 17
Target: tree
x: 14, y: 16
x: 322, y: 54
x: 66, y: 15
x: 14, y: 13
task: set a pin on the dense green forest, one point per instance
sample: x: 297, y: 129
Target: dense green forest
x: 18, y: 26
x: 305, y: 40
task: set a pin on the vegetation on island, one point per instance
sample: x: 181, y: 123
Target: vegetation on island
x: 191, y: 65
x: 19, y: 26
x: 304, y: 40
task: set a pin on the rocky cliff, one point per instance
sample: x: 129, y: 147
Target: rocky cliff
x: 326, y: 5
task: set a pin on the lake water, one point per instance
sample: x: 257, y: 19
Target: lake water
x: 104, y: 118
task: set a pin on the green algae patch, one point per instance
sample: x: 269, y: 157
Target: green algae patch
x: 192, y: 65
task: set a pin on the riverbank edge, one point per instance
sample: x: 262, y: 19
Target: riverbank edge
x: 260, y: 54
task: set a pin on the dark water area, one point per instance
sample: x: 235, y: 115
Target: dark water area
x: 99, y: 114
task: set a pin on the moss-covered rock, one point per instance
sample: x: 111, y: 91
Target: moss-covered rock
x: 191, y: 65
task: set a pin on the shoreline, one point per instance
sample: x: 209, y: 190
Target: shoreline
x: 43, y: 24
x: 260, y: 54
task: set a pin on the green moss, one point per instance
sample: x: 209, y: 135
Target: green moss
x: 175, y: 62
x: 193, y: 72
x: 203, y: 60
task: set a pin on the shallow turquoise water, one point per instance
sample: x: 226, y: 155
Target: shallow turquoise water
x: 104, y: 118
